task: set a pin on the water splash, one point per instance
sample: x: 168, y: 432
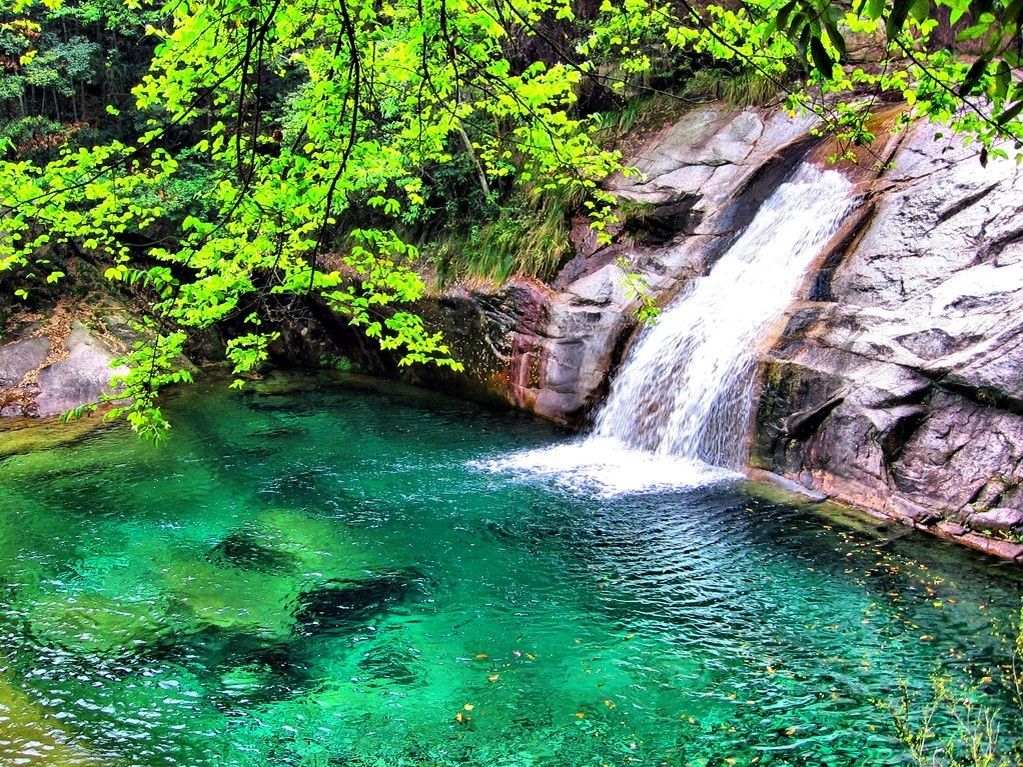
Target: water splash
x: 682, y: 400
x: 606, y: 467
x: 685, y: 389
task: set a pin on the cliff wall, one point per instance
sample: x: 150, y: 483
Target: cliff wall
x: 893, y: 383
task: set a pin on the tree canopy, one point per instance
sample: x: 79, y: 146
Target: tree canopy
x: 227, y: 159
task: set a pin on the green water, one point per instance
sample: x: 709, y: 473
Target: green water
x: 329, y: 577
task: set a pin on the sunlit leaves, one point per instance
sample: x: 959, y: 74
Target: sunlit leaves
x: 319, y: 128
x: 981, y: 97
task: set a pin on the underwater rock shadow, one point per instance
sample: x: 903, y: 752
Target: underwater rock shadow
x: 241, y: 668
x: 243, y: 549
x: 344, y: 605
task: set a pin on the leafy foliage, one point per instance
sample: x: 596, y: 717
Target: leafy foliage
x: 801, y: 47
x: 278, y: 152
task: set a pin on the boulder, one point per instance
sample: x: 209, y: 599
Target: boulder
x: 81, y: 377
x: 262, y: 580
x: 999, y: 519
x: 61, y: 363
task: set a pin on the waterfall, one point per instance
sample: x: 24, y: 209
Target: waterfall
x: 685, y: 389
x: 678, y: 410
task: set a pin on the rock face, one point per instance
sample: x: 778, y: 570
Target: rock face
x: 897, y: 384
x: 58, y: 363
x: 550, y: 349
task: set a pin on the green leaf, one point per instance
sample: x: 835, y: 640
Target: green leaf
x: 821, y: 59
x: 973, y: 76
x: 1012, y: 12
x: 804, y: 39
x: 1010, y: 113
x: 974, y: 32
x: 874, y: 9
x: 783, y: 15
x: 1003, y: 79
x: 920, y: 10
x: 897, y: 18
x: 836, y: 37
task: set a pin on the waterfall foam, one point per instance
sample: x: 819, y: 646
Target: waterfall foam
x: 685, y: 388
x: 680, y: 405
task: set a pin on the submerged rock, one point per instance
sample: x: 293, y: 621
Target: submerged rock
x: 278, y: 575
x: 249, y: 550
x: 98, y: 629
x: 345, y: 604
x: 29, y: 735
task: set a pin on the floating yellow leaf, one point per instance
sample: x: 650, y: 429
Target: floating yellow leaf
x: 580, y: 715
x: 481, y: 656
x: 468, y: 707
x: 790, y: 731
x: 493, y: 677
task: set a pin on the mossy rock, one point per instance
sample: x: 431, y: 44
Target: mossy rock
x: 232, y: 599
x: 321, y: 547
x: 29, y: 435
x: 252, y: 579
x: 253, y: 549
x: 31, y: 736
x: 97, y: 627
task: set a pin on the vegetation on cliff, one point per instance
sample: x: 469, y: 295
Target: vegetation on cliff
x: 228, y: 161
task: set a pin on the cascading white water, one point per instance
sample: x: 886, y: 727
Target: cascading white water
x: 678, y: 410
x: 686, y: 386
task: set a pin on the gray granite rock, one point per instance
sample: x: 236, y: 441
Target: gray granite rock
x: 922, y: 330
x: 60, y: 365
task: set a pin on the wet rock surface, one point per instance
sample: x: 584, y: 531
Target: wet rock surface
x: 921, y: 337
